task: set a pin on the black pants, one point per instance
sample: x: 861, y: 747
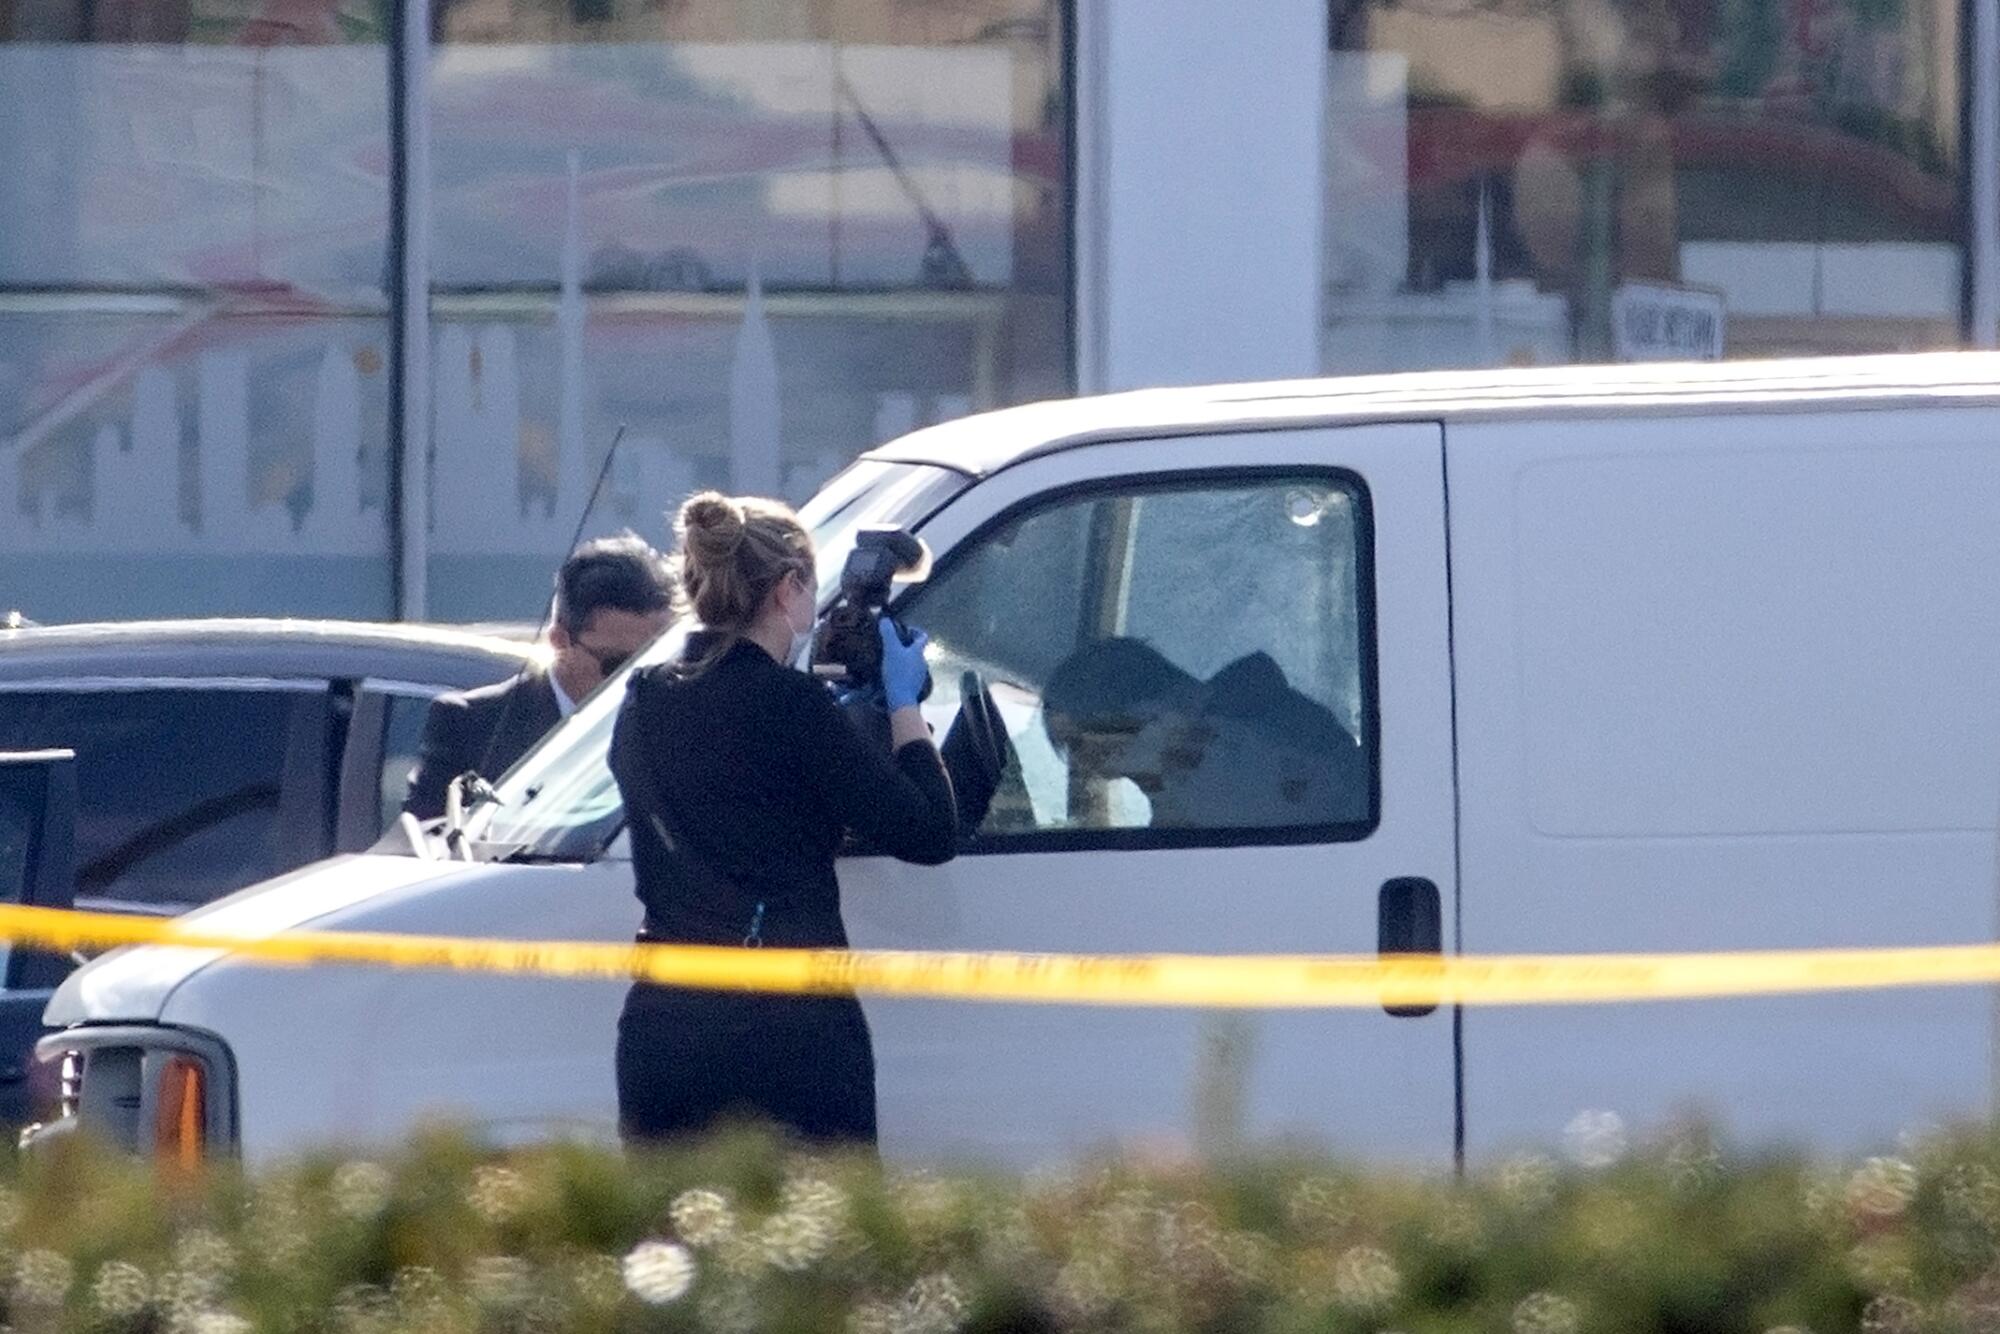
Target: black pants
x: 690, y: 1060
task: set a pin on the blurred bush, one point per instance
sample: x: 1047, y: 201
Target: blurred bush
x: 1673, y: 1236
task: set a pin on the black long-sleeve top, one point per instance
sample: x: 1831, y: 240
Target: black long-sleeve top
x: 740, y: 782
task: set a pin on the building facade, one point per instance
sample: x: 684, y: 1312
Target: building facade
x: 338, y: 306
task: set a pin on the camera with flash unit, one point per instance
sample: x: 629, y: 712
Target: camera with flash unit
x: 847, y: 647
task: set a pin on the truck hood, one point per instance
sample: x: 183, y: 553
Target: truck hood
x: 131, y: 985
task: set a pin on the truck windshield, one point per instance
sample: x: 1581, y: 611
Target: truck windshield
x: 559, y: 803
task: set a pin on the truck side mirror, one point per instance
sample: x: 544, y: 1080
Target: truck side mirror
x: 37, y: 850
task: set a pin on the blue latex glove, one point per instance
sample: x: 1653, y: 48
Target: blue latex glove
x: 903, y: 666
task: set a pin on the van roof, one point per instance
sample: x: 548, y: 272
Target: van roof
x: 990, y: 441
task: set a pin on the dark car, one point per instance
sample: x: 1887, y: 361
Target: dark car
x: 214, y: 754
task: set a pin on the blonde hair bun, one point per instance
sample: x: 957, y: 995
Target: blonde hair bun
x: 710, y: 527
x: 733, y: 551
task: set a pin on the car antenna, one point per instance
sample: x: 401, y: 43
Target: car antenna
x: 470, y: 784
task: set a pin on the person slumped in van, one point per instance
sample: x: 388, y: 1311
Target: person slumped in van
x: 741, y: 777
x: 1242, y: 749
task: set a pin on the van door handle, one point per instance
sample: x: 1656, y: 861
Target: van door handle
x: 1409, y: 919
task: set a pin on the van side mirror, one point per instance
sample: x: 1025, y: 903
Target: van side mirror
x: 37, y: 850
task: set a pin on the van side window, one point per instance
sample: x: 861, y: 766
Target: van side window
x: 1177, y: 662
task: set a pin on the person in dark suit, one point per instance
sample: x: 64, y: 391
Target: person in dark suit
x: 612, y: 596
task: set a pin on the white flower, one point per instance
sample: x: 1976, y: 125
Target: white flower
x: 1595, y: 1138
x: 703, y: 1217
x: 793, y: 1241
x: 659, y: 1272
x: 42, y: 1277
x: 219, y: 1322
x: 1545, y: 1313
x: 360, y: 1308
x: 186, y: 1293
x: 873, y: 1318
x: 1693, y: 1161
x: 498, y: 1281
x: 1882, y: 1187
x: 811, y: 1197
x: 203, y: 1265
x: 935, y: 1304
x: 497, y: 1193
x: 121, y: 1290
x: 1365, y: 1279
x: 1126, y: 1223
x: 1319, y: 1203
x: 360, y: 1189
x: 1188, y: 1238
x: 419, y: 1291
x: 205, y: 1256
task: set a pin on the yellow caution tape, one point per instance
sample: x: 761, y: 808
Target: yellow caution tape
x: 1256, y: 981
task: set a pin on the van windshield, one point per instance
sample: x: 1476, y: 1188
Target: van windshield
x: 559, y: 802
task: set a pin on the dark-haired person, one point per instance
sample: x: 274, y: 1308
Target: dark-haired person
x: 741, y: 777
x: 612, y: 596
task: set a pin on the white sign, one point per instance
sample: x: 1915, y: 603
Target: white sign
x: 1654, y: 322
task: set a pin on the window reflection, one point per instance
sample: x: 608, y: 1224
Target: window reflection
x: 765, y: 237
x: 1540, y: 181
x: 193, y: 326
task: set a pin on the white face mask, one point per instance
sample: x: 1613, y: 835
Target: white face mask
x: 800, y: 656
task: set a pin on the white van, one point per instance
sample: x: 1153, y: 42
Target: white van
x: 1675, y: 658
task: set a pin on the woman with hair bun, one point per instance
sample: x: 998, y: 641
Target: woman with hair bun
x: 741, y: 777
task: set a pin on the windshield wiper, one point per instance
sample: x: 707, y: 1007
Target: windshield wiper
x: 525, y: 854
x: 462, y: 796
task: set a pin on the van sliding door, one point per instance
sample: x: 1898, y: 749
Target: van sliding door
x: 1729, y: 683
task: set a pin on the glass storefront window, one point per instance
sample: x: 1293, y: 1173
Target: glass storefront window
x: 193, y: 321
x: 1546, y: 181
x: 760, y: 237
